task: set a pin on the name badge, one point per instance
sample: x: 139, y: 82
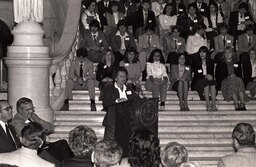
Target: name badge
x: 27, y: 121
x: 150, y: 21
x: 126, y: 64
x: 199, y: 71
x: 202, y: 10
x: 105, y: 66
x: 100, y: 40
x: 165, y: 21
x: 178, y: 43
x: 228, y: 41
x: 195, y: 21
x: 127, y: 38
x: 154, y: 46
x: 235, y: 65
x: 181, y: 10
x: 247, y: 17
x: 129, y: 92
x: 187, y: 68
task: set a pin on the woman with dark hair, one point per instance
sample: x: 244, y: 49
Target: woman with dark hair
x: 187, y: 21
x: 120, y: 40
x: 113, y: 17
x: 144, y: 149
x: 167, y: 20
x: 180, y: 78
x: 178, y: 7
x: 89, y: 13
x: 132, y: 65
x: 104, y: 71
x: 81, y: 141
x: 203, y: 81
x: 227, y: 74
x: 113, y: 94
x: 157, y: 77
x: 214, y: 18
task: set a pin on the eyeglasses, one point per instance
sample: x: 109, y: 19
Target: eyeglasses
x: 28, y: 109
x: 9, y: 108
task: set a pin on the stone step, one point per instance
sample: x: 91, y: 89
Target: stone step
x: 170, y: 105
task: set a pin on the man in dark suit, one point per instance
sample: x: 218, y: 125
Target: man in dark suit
x: 239, y: 20
x: 201, y: 7
x: 103, y: 7
x: 144, y: 17
x: 8, y: 137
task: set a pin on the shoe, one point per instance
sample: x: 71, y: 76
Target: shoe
x: 242, y: 107
x: 182, y: 106
x: 208, y: 107
x: 214, y: 108
x: 162, y: 106
x: 237, y: 107
x: 186, y: 106
x: 93, y: 106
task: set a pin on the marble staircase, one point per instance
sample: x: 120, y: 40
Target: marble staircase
x: 206, y: 135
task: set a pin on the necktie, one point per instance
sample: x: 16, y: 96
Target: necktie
x: 224, y: 40
x: 94, y: 38
x: 148, y: 40
x: 10, y: 135
x: 146, y: 18
x: 175, y: 44
x: 81, y: 70
x: 250, y: 41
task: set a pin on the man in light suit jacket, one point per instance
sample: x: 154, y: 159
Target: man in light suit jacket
x: 244, y: 142
x: 81, y: 77
x: 246, y: 42
x: 146, y: 44
x: 8, y: 142
x: 222, y: 41
x: 32, y: 137
x: 95, y: 41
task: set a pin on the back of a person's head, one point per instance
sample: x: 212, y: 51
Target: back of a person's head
x: 107, y: 153
x: 82, y: 140
x: 33, y: 135
x: 144, y: 149
x: 81, y: 52
x: 173, y: 155
x: 244, y: 134
x: 190, y: 164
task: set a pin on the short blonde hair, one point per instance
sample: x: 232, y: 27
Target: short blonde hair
x: 174, y: 154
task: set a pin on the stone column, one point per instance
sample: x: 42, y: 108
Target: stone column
x: 28, y: 65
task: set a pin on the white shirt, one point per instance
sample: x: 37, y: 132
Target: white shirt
x: 167, y: 21
x: 87, y: 14
x: 116, y: 17
x: 96, y: 35
x: 194, y: 42
x: 157, y: 70
x: 204, y: 69
x: 3, y: 125
x: 213, y: 20
x: 122, y: 93
x: 253, y: 69
x: 157, y: 8
x: 123, y: 38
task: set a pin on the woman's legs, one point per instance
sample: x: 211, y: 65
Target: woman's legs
x: 180, y: 94
x: 185, y: 95
x: 207, y: 98
x: 236, y: 103
x: 242, y: 101
x: 213, y: 95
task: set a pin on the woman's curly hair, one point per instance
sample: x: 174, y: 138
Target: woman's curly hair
x: 82, y: 140
x: 144, y: 149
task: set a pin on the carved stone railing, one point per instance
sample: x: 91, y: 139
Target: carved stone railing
x: 65, y: 52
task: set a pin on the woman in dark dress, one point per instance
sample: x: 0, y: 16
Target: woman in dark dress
x: 228, y: 76
x: 203, y: 81
x: 105, y: 71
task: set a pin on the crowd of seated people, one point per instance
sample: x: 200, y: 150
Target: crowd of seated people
x: 191, y: 37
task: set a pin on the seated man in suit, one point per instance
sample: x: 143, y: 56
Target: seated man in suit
x: 144, y: 17
x: 244, y: 143
x: 146, y: 44
x: 246, y: 42
x: 8, y: 137
x: 222, y: 41
x: 81, y: 76
x: 26, y: 114
x: 95, y: 41
x: 201, y: 7
x: 32, y: 137
x: 239, y: 20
